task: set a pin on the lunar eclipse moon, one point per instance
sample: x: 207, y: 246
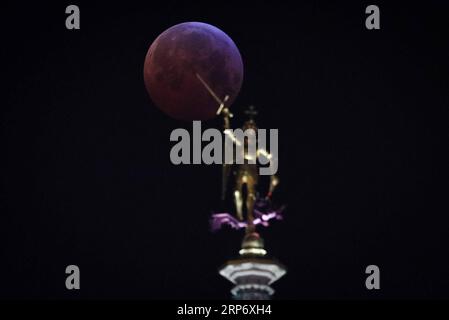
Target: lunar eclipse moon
x: 175, y: 59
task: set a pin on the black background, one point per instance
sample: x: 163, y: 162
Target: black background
x: 86, y: 177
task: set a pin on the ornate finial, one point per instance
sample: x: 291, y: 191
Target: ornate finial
x: 251, y: 112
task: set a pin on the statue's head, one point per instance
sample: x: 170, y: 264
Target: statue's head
x: 250, y: 124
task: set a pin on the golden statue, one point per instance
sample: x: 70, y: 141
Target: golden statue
x: 246, y: 179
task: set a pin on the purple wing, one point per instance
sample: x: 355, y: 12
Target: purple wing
x: 219, y: 219
x: 262, y: 217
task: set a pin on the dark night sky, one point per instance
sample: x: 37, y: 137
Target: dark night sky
x: 363, y: 126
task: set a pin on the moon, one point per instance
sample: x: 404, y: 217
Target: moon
x: 176, y: 57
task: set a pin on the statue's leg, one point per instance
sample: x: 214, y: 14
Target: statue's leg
x: 250, y: 201
x: 238, y: 201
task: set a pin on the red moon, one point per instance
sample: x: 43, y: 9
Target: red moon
x: 176, y: 57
